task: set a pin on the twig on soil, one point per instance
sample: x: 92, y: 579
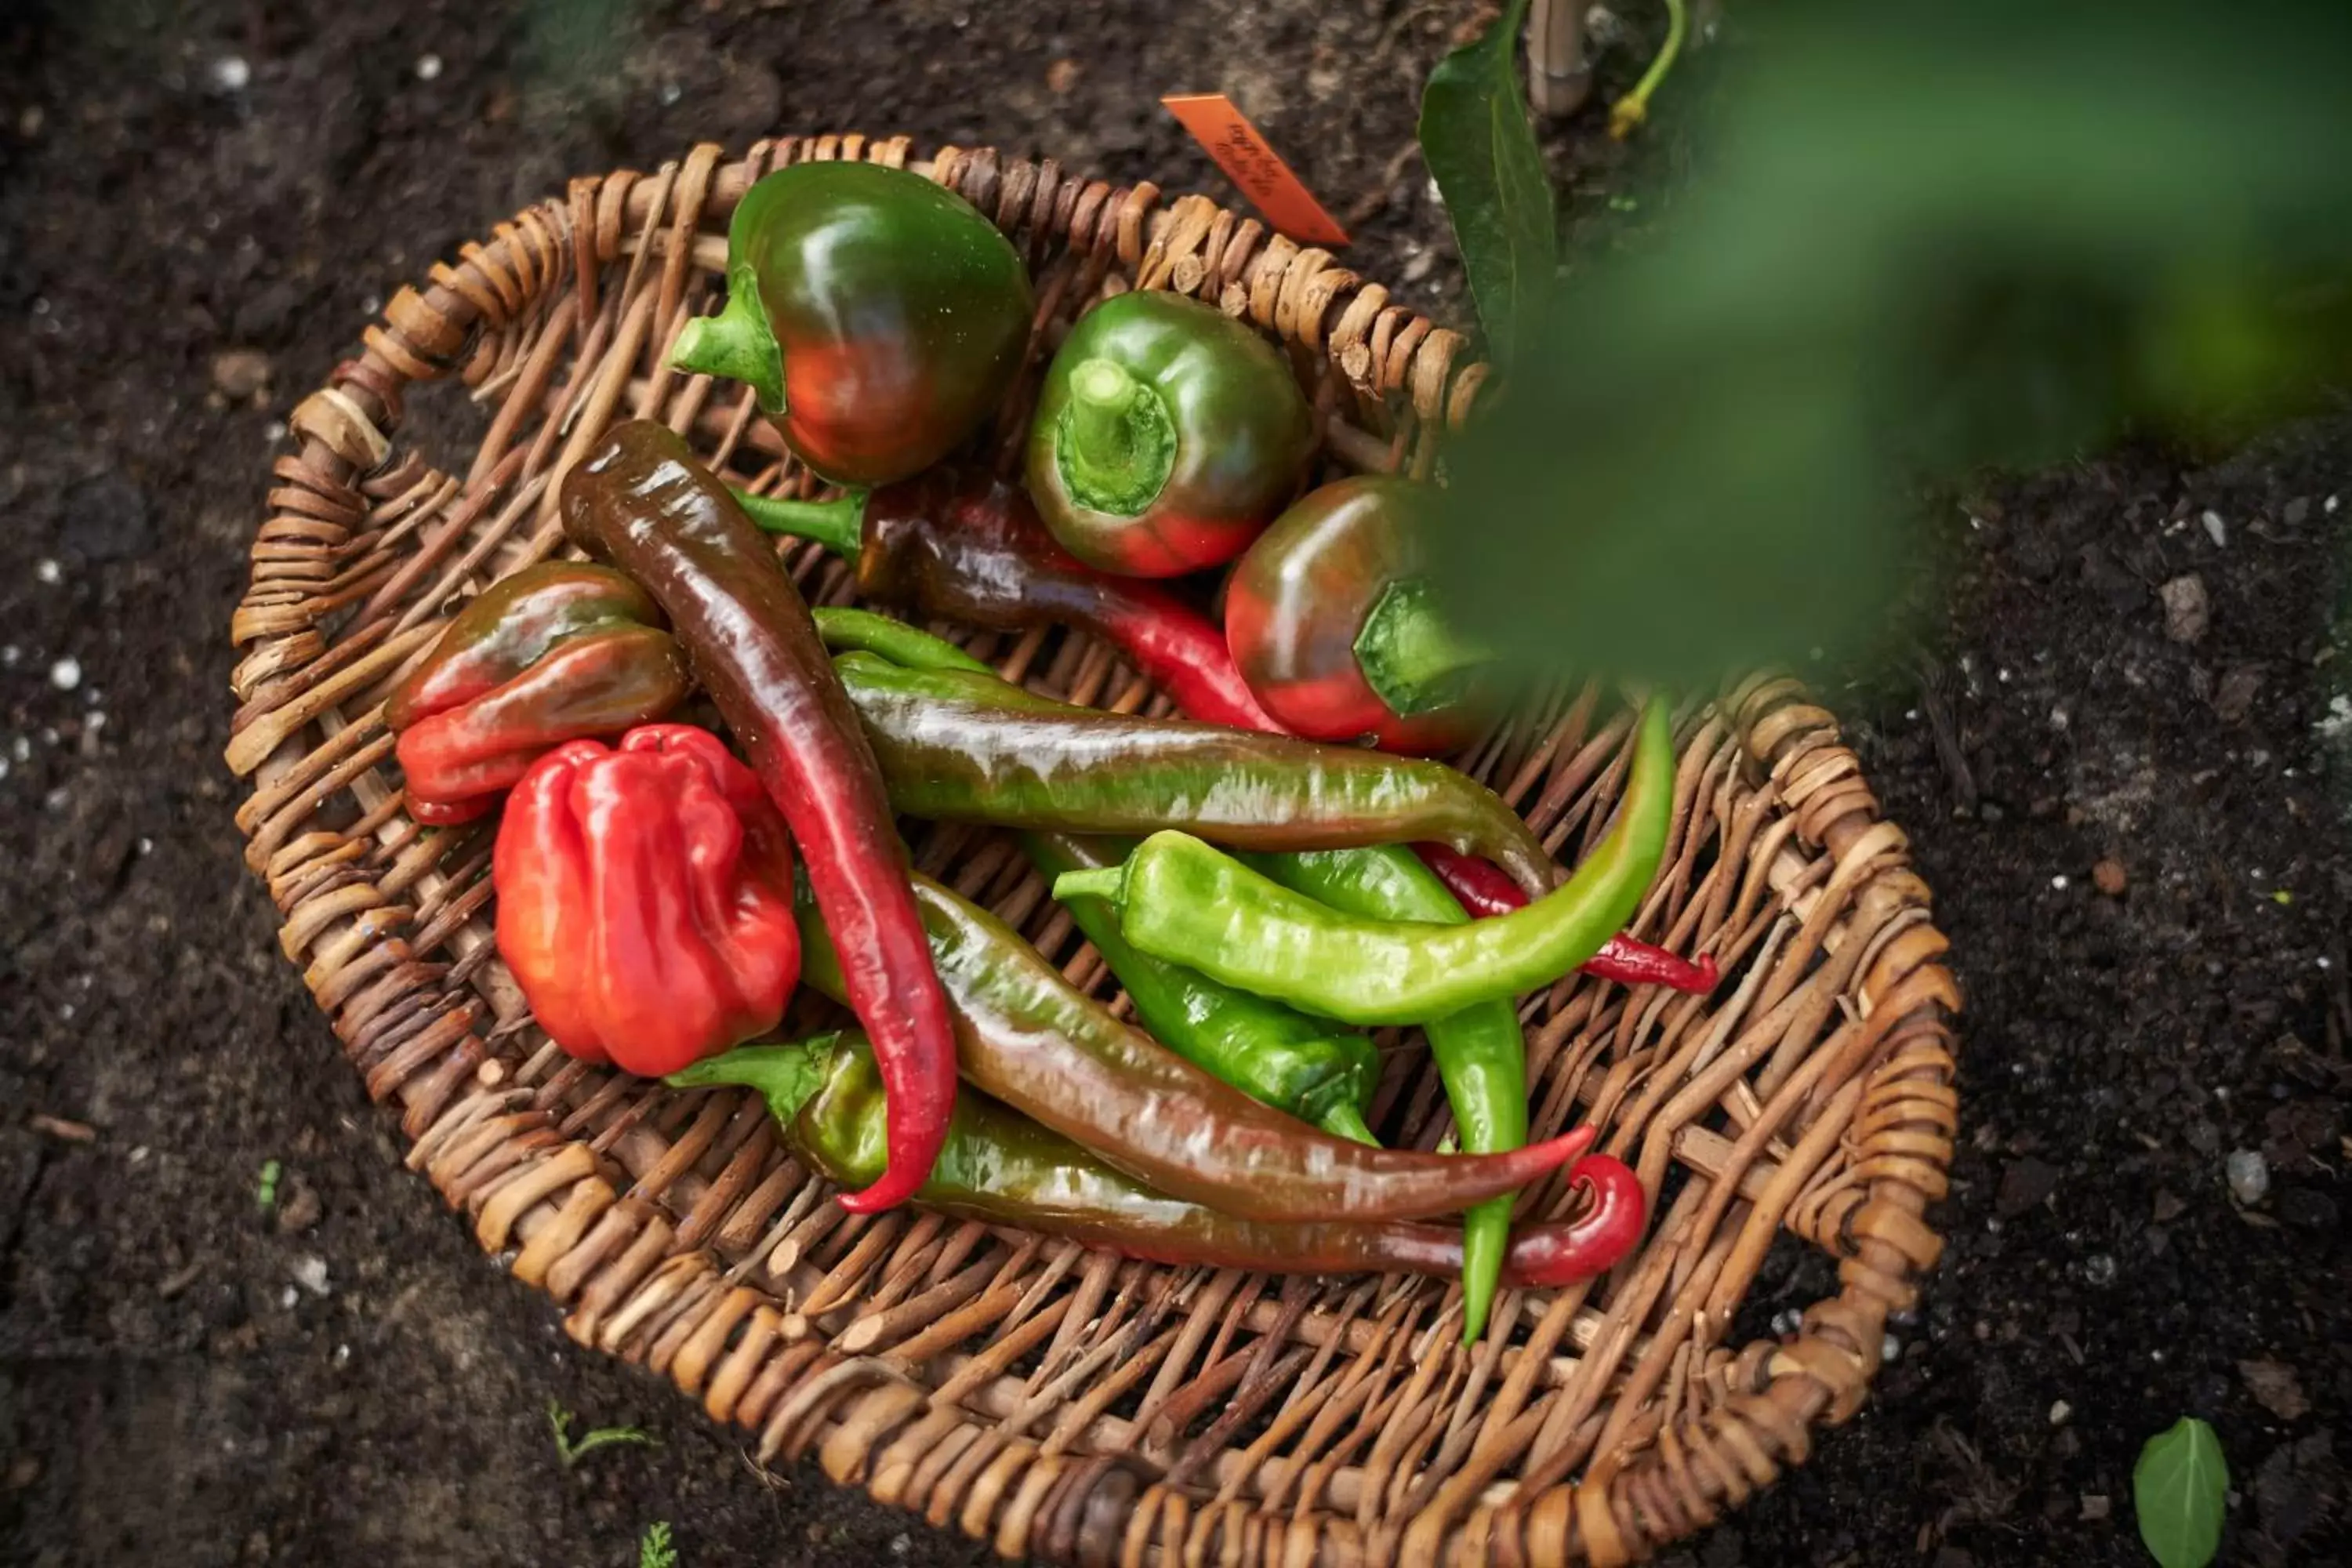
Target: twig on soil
x: 1948, y: 740
x: 59, y: 1128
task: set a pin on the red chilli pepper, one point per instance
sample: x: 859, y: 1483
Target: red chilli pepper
x: 1595, y: 1242
x: 1485, y: 892
x: 646, y: 899
x: 641, y: 501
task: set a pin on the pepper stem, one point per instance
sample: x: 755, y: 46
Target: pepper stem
x: 785, y: 1076
x: 1105, y: 883
x: 735, y: 344
x: 1114, y: 444
x: 1412, y: 660
x: 839, y: 525
x: 1626, y: 115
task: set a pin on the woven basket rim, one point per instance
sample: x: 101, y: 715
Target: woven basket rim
x: 363, y: 541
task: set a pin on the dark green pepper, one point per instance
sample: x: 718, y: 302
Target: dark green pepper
x: 1481, y: 1052
x: 1315, y: 1070
x: 878, y: 316
x: 1166, y: 435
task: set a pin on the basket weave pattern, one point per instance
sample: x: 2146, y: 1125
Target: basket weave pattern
x: 1055, y: 1401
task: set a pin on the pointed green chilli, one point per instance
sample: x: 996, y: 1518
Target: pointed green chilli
x: 1182, y: 900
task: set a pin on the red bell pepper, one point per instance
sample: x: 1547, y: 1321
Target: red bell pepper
x: 646, y: 899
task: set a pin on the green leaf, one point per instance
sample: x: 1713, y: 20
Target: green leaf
x: 1483, y: 154
x: 655, y: 1549
x: 2179, y: 1487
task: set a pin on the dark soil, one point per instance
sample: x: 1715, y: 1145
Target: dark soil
x: 2138, y: 842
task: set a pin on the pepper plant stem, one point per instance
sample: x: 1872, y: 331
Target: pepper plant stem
x: 839, y: 525
x: 737, y: 344
x: 1115, y: 443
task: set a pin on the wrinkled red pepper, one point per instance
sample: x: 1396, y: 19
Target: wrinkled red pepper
x: 645, y: 899
x: 554, y: 653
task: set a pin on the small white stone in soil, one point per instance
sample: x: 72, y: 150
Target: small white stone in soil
x: 2058, y: 882
x: 2060, y: 1412
x: 2339, y: 715
x: 2250, y: 1176
x: 230, y: 74
x: 22, y: 749
x: 1890, y: 1350
x: 138, y: 1156
x: 429, y: 66
x: 55, y: 799
x: 10, y: 654
x: 65, y: 674
x: 48, y: 571
x: 342, y: 1355
x: 291, y: 1296
x: 2330, y: 507
x: 310, y: 1273
x: 2215, y: 529
x: 274, y: 430
x: 146, y: 846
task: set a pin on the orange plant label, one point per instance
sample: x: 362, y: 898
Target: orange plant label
x: 1227, y: 136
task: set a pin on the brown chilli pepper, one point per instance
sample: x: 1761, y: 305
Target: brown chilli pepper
x: 1000, y: 1167
x: 558, y: 652
x: 973, y: 552
x: 960, y: 747
x: 1028, y: 1037
x: 642, y: 502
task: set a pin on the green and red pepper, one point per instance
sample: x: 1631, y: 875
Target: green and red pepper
x: 878, y: 316
x: 555, y: 652
x: 1166, y: 436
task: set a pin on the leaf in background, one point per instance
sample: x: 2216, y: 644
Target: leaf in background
x: 1918, y: 240
x: 1482, y: 152
x: 2179, y: 1488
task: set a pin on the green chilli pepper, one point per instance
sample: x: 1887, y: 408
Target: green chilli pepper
x: 961, y: 747
x: 1184, y: 902
x: 878, y: 316
x: 1481, y: 1052
x: 1308, y: 1067
x: 1166, y: 435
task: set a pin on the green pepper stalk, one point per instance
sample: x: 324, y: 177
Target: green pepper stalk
x: 1166, y: 435
x: 878, y: 316
x: 1028, y: 1037
x: 1000, y: 1167
x: 1320, y: 1074
x: 1481, y: 1052
x: 960, y: 747
x: 1182, y: 900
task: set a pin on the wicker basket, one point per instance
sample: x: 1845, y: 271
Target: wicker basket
x: 1058, y: 1402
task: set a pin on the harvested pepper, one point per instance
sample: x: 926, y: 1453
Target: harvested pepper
x: 877, y: 315
x: 1166, y: 435
x: 975, y: 553
x: 1000, y: 1167
x: 640, y: 502
x: 1335, y: 629
x: 1480, y: 1051
x: 1316, y: 1072
x: 1482, y: 889
x: 1182, y: 900
x: 1028, y: 1037
x: 552, y: 653
x: 646, y: 899
x: 960, y: 747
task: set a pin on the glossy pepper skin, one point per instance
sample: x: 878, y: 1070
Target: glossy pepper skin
x: 1166, y: 435
x: 646, y: 899
x: 1182, y: 900
x: 1030, y: 1039
x: 1316, y: 1072
x: 555, y: 652
x: 1480, y: 1051
x: 1330, y: 621
x: 973, y: 551
x: 640, y: 502
x: 878, y: 316
x: 967, y: 747
x: 1000, y: 1167
x: 1482, y: 889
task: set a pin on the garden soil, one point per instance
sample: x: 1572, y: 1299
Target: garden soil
x: 2111, y: 747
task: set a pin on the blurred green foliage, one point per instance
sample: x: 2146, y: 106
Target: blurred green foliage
x: 1914, y: 240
